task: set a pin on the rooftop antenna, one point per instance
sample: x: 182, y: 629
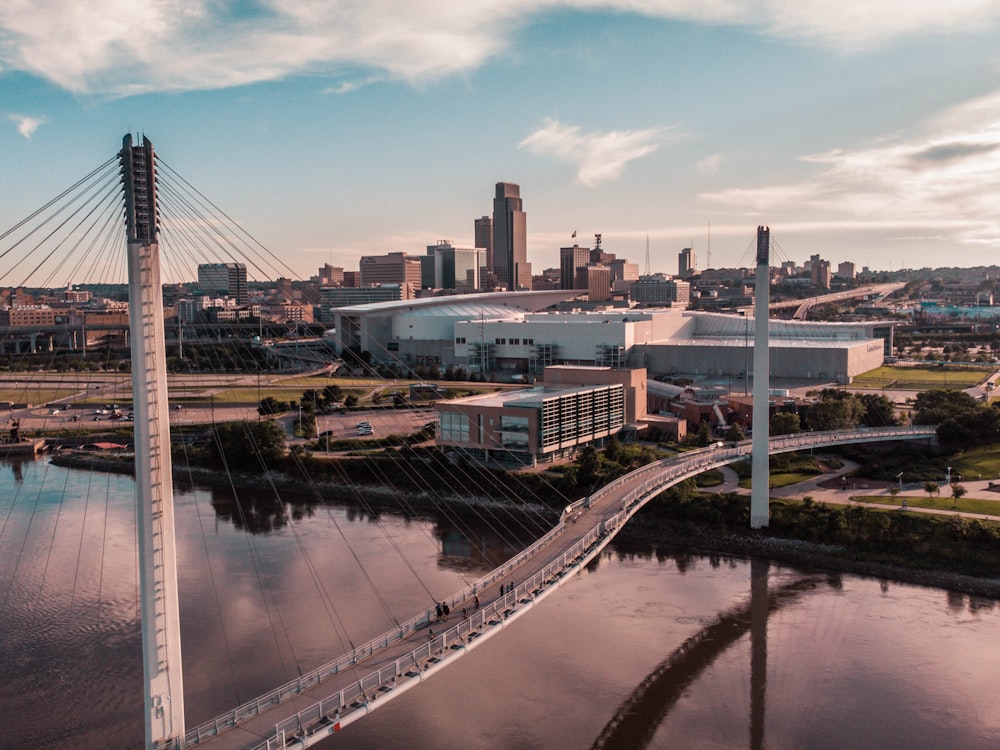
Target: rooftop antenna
x: 708, y: 249
x: 647, y: 255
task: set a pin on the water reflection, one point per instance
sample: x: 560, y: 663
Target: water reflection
x: 638, y: 717
x: 468, y: 544
x: 852, y: 662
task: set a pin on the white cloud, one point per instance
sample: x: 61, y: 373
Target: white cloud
x: 26, y: 125
x: 112, y: 47
x: 597, y: 157
x: 711, y: 164
x: 947, y: 178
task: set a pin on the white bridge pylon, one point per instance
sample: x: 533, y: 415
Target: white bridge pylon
x: 322, y: 702
x: 154, y: 489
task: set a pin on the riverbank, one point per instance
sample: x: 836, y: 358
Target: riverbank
x: 373, y: 496
x: 663, y: 523
x: 810, y: 555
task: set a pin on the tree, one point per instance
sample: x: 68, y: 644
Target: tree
x: 310, y: 400
x: 588, y: 466
x: 305, y: 425
x: 836, y: 410
x: 332, y: 393
x: 878, y: 410
x: 704, y: 436
x: 785, y: 423
x: 269, y: 406
x: 248, y: 445
x: 937, y: 406
x: 957, y: 493
x: 377, y: 398
x: 351, y: 401
x: 931, y: 488
x: 734, y: 434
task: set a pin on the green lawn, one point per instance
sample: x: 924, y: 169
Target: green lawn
x: 943, y: 503
x: 978, y: 463
x: 34, y: 395
x: 919, y: 378
x: 780, y: 480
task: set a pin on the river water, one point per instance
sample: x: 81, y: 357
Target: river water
x: 646, y: 648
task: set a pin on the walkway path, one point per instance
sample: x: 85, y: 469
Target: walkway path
x: 813, y: 487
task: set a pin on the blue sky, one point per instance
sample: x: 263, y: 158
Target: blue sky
x: 864, y: 131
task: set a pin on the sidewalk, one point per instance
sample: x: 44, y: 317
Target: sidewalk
x: 825, y: 488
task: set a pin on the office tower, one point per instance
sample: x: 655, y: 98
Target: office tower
x: 622, y: 270
x: 392, y: 268
x: 228, y: 279
x: 330, y: 275
x: 484, y: 239
x: 510, y: 238
x: 846, y: 271
x: 820, y: 272
x: 570, y: 259
x: 596, y: 279
x: 686, y: 263
x: 455, y: 267
x: 658, y: 290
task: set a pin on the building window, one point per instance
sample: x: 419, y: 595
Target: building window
x: 515, y: 342
x: 460, y: 340
x: 529, y: 342
x: 454, y: 427
x: 392, y: 346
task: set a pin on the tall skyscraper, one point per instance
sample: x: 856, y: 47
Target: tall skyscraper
x: 484, y: 238
x: 454, y: 267
x: 570, y: 259
x: 392, y: 268
x: 510, y: 238
x: 229, y: 279
x: 686, y: 263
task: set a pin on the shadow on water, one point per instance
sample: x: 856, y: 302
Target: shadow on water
x: 638, y: 717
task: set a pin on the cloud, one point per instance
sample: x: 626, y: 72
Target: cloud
x: 117, y: 48
x: 711, y: 164
x: 26, y: 125
x: 597, y: 157
x: 948, y: 178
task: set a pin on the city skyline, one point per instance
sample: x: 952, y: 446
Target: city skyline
x: 863, y: 134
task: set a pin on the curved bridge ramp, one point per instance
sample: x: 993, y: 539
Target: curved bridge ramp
x: 319, y: 704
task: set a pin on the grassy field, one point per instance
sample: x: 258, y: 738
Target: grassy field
x: 780, y: 480
x: 943, y: 503
x: 34, y: 395
x: 978, y: 463
x: 919, y: 378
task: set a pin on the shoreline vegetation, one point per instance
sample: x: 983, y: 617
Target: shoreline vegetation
x: 943, y: 551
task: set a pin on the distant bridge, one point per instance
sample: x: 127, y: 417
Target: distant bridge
x: 320, y: 703
x: 880, y: 291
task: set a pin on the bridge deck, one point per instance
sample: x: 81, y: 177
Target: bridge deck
x: 321, y: 703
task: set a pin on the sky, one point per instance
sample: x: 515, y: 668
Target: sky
x: 863, y: 131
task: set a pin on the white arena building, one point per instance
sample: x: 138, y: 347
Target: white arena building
x: 498, y: 333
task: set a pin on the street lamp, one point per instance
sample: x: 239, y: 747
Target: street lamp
x: 899, y: 478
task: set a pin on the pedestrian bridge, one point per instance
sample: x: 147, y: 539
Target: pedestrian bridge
x: 315, y: 706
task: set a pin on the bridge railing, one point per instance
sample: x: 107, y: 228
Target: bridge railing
x: 655, y: 477
x: 360, y: 694
x: 295, y: 687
